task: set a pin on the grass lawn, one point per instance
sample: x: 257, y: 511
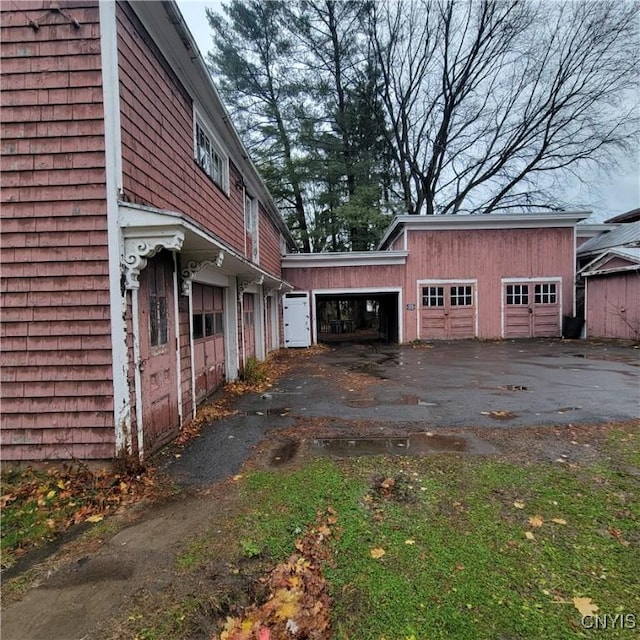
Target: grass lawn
x: 443, y: 546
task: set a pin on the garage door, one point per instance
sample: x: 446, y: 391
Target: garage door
x: 448, y: 310
x: 208, y: 338
x: 531, y: 309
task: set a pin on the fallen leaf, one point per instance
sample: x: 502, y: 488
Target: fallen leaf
x: 559, y: 520
x: 585, y: 606
x: 536, y: 521
x: 529, y: 536
x: 409, y: 541
x: 377, y: 553
x: 95, y: 518
x: 518, y: 505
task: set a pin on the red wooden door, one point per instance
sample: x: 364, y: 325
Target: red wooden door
x: 158, y: 375
x: 448, y: 311
x: 208, y: 338
x: 249, y: 324
x: 531, y: 310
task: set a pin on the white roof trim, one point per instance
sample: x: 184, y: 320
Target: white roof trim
x: 483, y: 221
x: 592, y: 269
x: 346, y: 259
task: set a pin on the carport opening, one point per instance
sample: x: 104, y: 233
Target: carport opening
x: 357, y: 317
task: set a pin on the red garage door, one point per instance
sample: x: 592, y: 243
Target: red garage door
x: 249, y: 325
x: 208, y: 338
x: 531, y: 309
x: 448, y: 310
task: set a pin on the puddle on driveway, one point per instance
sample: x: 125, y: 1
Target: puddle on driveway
x: 279, y: 411
x: 413, y: 400
x: 415, y: 444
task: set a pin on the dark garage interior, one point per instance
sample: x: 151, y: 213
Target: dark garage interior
x: 357, y: 317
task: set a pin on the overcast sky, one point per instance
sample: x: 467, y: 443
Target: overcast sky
x: 605, y: 195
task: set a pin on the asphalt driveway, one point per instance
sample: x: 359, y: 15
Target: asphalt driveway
x: 387, y: 389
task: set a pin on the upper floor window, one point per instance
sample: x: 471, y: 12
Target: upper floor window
x: 210, y: 156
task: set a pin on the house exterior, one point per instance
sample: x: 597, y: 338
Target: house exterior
x: 140, y: 248
x: 451, y: 277
x: 610, y: 277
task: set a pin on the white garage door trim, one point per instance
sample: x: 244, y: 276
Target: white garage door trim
x: 536, y: 280
x: 448, y: 281
x: 338, y: 292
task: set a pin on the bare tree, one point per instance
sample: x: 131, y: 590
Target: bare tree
x: 487, y: 100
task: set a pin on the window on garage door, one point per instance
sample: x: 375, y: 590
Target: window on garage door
x: 531, y: 310
x: 208, y: 337
x: 448, y: 311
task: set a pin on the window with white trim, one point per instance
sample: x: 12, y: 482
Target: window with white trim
x: 461, y: 296
x: 517, y: 294
x: 433, y: 296
x: 546, y: 293
x: 209, y: 155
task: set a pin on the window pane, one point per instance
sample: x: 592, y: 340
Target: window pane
x: 218, y: 323
x: 208, y: 324
x: 197, y: 326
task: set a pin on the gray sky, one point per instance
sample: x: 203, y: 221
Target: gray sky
x: 606, y: 195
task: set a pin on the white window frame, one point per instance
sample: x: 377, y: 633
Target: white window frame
x: 545, y: 293
x: 215, y: 149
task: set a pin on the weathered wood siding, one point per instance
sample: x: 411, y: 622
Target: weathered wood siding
x: 157, y: 139
x: 307, y: 279
x: 612, y: 308
x: 57, y: 391
x: 488, y: 255
x: 269, y: 240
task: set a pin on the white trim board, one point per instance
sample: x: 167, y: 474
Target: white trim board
x: 113, y: 178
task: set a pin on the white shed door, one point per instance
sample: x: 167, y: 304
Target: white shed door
x: 296, y: 320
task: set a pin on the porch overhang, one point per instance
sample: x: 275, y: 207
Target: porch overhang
x: 146, y: 231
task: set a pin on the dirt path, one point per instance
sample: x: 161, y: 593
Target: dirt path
x: 86, y: 592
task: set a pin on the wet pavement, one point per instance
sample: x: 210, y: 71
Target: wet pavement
x: 393, y: 391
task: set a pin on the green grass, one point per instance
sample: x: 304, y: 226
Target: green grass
x: 457, y: 562
x: 469, y: 571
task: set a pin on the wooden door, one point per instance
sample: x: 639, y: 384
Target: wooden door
x: 448, y: 311
x: 158, y: 374
x: 532, y: 309
x: 208, y: 338
x: 249, y: 325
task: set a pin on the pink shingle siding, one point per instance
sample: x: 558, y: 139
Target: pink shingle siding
x: 57, y: 378
x: 157, y: 138
x: 269, y: 240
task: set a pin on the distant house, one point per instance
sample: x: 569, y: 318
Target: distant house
x: 610, y: 275
x: 447, y: 277
x: 140, y: 248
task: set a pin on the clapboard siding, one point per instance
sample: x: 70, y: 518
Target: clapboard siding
x: 157, y: 140
x: 57, y: 391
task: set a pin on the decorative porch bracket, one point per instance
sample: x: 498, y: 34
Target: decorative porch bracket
x: 144, y: 244
x: 196, y: 266
x: 245, y: 283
